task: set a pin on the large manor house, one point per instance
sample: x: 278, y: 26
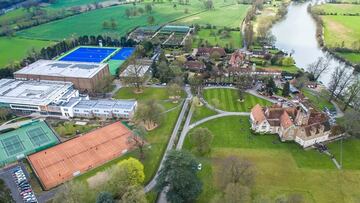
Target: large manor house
x: 301, y: 124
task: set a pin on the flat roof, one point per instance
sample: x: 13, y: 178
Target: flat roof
x: 131, y: 70
x: 28, y: 138
x: 62, y: 69
x: 31, y: 92
x: 106, y: 104
x: 62, y: 162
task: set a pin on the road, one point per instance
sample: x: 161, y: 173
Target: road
x: 171, y: 142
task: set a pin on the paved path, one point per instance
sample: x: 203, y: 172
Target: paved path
x: 171, y: 142
x: 339, y: 113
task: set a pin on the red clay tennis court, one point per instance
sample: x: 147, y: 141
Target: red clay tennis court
x: 62, y: 162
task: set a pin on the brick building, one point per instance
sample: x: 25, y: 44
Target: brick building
x: 84, y: 76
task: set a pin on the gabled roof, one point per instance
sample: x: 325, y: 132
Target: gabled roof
x: 258, y: 113
x: 285, y: 120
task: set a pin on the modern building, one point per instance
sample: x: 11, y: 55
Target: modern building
x: 84, y: 75
x: 305, y: 126
x: 35, y: 96
x: 84, y: 108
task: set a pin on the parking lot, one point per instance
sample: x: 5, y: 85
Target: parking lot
x: 16, y: 178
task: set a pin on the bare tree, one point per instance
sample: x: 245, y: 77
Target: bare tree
x: 337, y: 78
x: 135, y: 72
x: 138, y: 136
x: 320, y: 66
x: 235, y: 193
x: 344, y: 83
x: 352, y: 93
x: 235, y: 170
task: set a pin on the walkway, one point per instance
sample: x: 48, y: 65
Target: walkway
x: 171, y: 142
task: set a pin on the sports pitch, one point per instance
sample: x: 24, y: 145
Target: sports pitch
x: 123, y: 54
x: 88, y: 54
x: 27, y: 139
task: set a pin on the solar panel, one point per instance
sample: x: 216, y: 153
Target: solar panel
x: 12, y: 145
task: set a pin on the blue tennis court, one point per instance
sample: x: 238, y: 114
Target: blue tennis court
x: 88, y: 54
x: 123, y: 54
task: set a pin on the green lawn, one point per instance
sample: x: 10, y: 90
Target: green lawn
x: 14, y: 49
x: 12, y: 16
x: 70, y: 129
x: 207, y: 35
x: 282, y: 168
x: 157, y: 138
x: 201, y: 112
x: 350, y: 147
x: 227, y: 99
x: 90, y: 23
x: 339, y: 9
x: 318, y: 100
x: 228, y: 16
x: 339, y: 29
x: 148, y: 93
x: 289, y: 69
x: 352, y: 57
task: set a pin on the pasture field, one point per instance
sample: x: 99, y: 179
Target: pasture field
x: 227, y: 99
x: 307, y: 172
x: 234, y: 39
x: 339, y: 9
x: 90, y: 23
x: 340, y: 30
x: 14, y: 49
x: 12, y: 16
x: 228, y: 16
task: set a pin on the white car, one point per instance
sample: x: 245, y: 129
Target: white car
x: 199, y: 166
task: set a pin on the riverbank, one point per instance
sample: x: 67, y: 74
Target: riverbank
x: 337, y: 31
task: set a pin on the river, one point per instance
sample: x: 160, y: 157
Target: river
x: 296, y: 33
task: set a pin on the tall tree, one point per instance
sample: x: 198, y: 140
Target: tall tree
x: 337, y: 78
x: 352, y: 93
x: 139, y: 136
x: 243, y: 82
x: 105, y: 197
x: 286, y: 89
x: 271, y: 86
x: 174, y: 91
x: 235, y: 193
x: 320, y: 66
x: 149, y: 113
x: 249, y: 34
x: 202, y: 139
x: 179, y: 176
x: 351, y: 123
x: 235, y: 170
x: 133, y: 194
x: 150, y: 20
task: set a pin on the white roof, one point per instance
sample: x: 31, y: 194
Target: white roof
x: 32, y: 92
x: 62, y: 68
x: 132, y: 71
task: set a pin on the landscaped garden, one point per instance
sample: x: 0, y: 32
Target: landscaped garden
x: 281, y: 168
x: 228, y: 100
x: 201, y: 112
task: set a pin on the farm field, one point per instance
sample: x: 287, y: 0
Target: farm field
x: 212, y: 37
x: 339, y: 9
x: 340, y: 30
x: 90, y: 23
x: 307, y: 172
x: 14, y: 48
x: 228, y: 16
x: 227, y: 99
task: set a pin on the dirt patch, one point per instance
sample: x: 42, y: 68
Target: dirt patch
x: 98, y: 179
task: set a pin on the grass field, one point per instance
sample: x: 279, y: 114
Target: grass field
x: 70, y: 3
x: 338, y: 9
x: 201, y: 112
x: 227, y: 99
x: 14, y: 49
x: 228, y: 16
x: 318, y: 100
x: 234, y: 40
x: 90, y: 23
x: 282, y: 168
x: 340, y: 30
x: 352, y: 57
x: 148, y: 93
